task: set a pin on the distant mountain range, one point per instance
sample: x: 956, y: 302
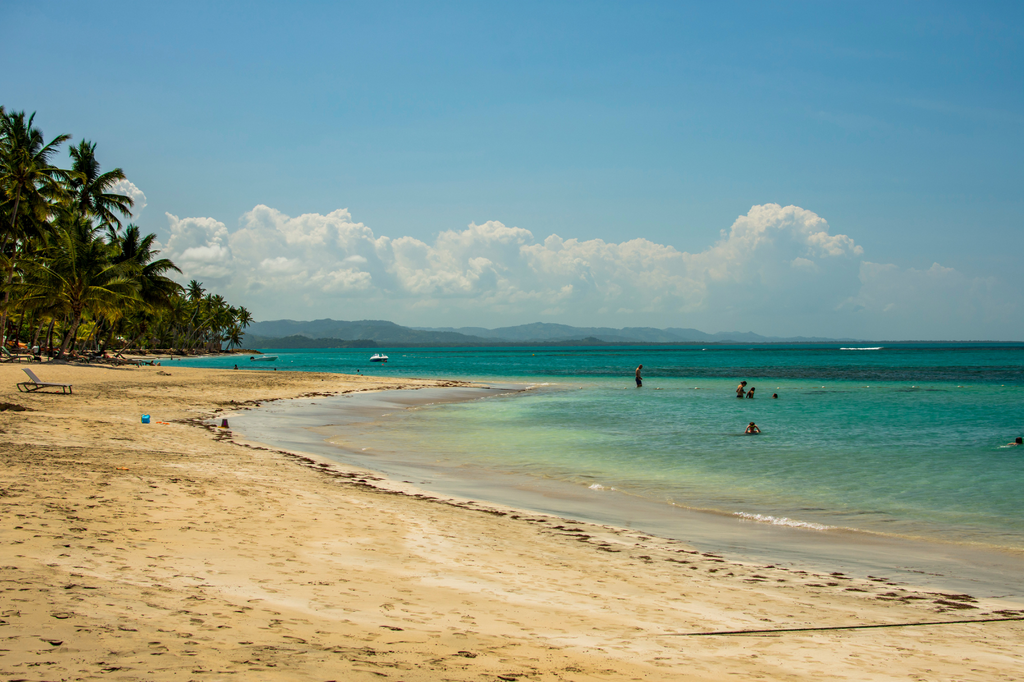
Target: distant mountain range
x: 329, y: 333
x: 543, y: 332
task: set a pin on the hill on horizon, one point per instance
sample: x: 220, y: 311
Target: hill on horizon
x: 547, y: 331
x: 326, y: 333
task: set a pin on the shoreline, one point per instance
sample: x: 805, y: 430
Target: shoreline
x: 927, y: 563
x: 154, y: 551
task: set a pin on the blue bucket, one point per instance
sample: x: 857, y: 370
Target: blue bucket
x: 145, y: 419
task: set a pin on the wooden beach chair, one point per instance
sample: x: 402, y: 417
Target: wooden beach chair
x: 36, y: 384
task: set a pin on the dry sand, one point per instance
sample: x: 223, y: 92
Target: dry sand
x: 169, y: 551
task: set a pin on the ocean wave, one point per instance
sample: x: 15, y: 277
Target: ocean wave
x: 782, y: 521
x: 875, y: 348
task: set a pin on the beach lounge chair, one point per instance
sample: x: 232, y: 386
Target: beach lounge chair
x: 36, y: 384
x: 8, y: 356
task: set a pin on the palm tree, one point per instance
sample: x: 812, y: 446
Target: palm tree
x: 155, y: 288
x: 77, y: 275
x: 29, y: 185
x: 195, y: 290
x: 243, y: 316
x: 26, y: 174
x: 156, y: 291
x: 89, y: 189
x: 218, y: 316
x: 234, y: 336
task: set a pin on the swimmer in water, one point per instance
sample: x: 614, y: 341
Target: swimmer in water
x: 775, y: 395
x: 1018, y: 441
x: 750, y: 393
x: 741, y: 389
x: 752, y: 429
x: 639, y: 379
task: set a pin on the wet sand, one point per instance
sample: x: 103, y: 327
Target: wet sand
x: 171, y: 551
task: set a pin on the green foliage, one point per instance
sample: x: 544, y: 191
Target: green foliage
x: 89, y: 189
x: 69, y: 268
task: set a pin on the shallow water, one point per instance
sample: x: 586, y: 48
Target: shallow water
x: 908, y: 441
x: 882, y: 459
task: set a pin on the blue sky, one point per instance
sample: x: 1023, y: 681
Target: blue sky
x: 899, y: 125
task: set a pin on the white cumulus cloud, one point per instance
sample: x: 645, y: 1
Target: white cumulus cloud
x: 776, y: 270
x: 127, y: 188
x: 200, y: 248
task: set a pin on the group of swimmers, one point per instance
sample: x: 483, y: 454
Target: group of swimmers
x: 751, y: 427
x: 741, y: 392
x: 749, y: 394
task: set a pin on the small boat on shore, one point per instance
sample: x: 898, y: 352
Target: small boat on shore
x: 262, y: 358
x: 378, y: 357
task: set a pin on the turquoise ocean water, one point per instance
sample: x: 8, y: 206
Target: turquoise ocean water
x: 907, y: 440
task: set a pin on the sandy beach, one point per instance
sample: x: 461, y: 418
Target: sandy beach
x: 174, y: 550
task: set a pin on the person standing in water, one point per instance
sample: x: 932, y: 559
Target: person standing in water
x: 750, y: 393
x: 741, y: 389
x: 752, y: 429
x: 639, y: 379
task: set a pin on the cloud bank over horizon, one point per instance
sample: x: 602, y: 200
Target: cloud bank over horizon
x: 777, y: 271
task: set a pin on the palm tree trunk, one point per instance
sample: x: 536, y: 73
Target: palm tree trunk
x: 21, y: 323
x: 104, y: 343
x: 96, y: 332
x: 8, y: 278
x: 95, y: 336
x: 92, y: 335
x: 84, y: 343
x: 135, y: 341
x: 49, y: 337
x: 35, y: 338
x: 69, y: 336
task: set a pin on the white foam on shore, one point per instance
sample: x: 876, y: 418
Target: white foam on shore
x: 530, y: 387
x: 598, y: 486
x: 782, y: 521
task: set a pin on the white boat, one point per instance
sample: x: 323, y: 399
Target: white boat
x: 262, y: 358
x: 378, y: 357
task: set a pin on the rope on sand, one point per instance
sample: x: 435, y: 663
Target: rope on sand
x: 839, y: 627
